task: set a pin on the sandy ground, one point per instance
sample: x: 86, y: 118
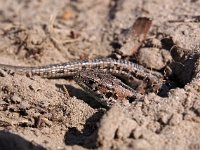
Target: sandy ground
x: 38, y: 113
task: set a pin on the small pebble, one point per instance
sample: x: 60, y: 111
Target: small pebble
x: 16, y: 99
x: 25, y: 105
x: 154, y: 58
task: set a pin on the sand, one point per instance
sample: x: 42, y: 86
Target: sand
x: 37, y: 113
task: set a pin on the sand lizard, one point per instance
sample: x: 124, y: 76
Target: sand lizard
x: 96, y: 77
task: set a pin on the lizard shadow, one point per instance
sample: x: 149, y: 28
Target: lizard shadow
x: 79, y: 94
x: 13, y: 141
x: 88, y: 136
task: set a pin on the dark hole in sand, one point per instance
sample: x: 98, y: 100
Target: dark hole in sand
x: 182, y: 68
